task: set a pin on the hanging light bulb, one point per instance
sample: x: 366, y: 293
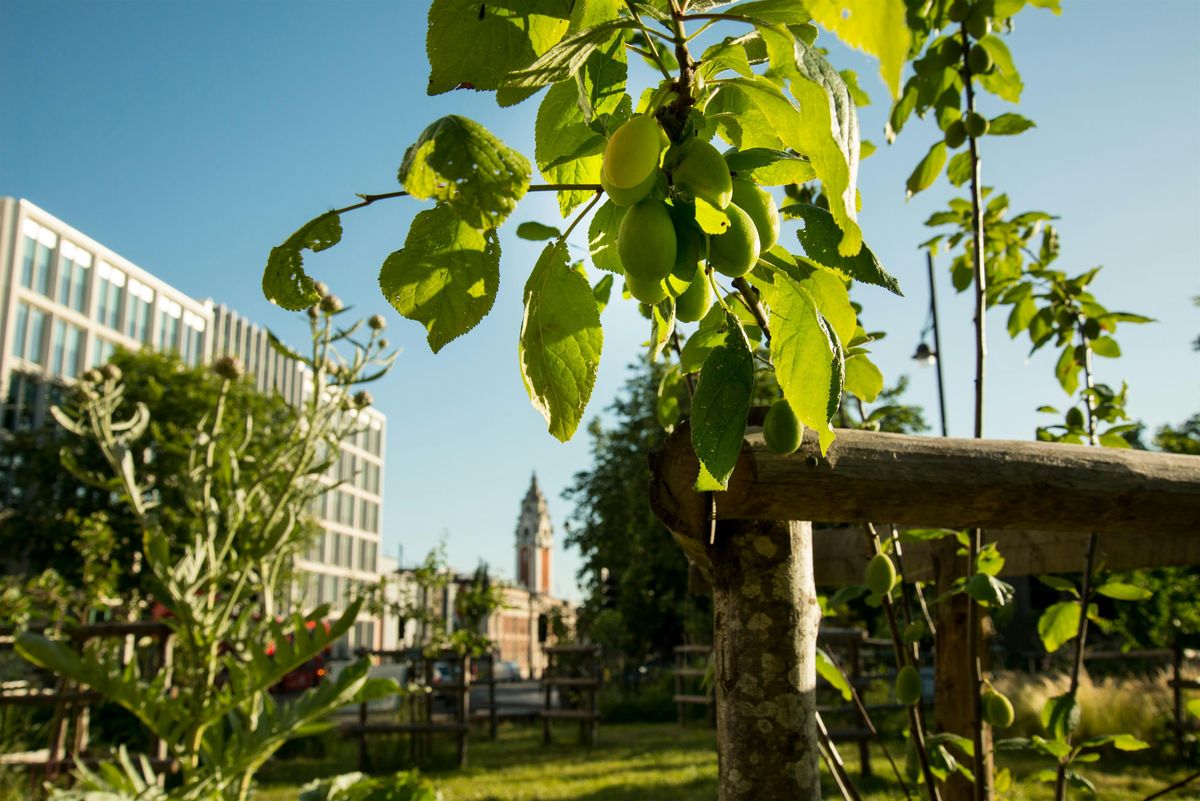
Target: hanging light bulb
x: 925, y: 355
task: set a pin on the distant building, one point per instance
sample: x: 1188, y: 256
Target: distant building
x: 523, y: 624
x: 67, y: 302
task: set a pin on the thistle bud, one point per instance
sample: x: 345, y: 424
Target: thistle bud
x: 363, y: 399
x: 93, y: 376
x: 376, y: 322
x: 313, y: 312
x: 321, y: 288
x: 111, y: 372
x: 228, y: 367
x: 331, y: 304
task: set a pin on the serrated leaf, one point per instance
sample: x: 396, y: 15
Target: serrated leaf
x: 825, y: 128
x: 458, y: 161
x: 1021, y: 315
x: 566, y: 57
x: 988, y: 590
x: 1059, y: 624
x: 781, y: 12
x: 537, y: 232
x: 802, y: 352
x: 662, y: 315
x: 1009, y: 125
x: 284, y: 281
x: 445, y: 277
x: 475, y: 45
x: 876, y: 27
x: 719, y: 408
x: 1060, y: 717
x: 701, y: 343
x: 602, y: 237
x: 560, y: 343
x: 927, y: 170
x: 767, y: 167
x: 863, y: 378
x: 1059, y: 583
x: 833, y: 300
x: 819, y: 237
x: 1123, y: 592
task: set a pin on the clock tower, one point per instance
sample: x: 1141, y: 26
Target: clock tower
x: 535, y: 540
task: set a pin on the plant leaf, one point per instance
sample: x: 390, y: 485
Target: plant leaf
x: 446, y: 275
x: 1059, y: 624
x: 876, y: 27
x: 720, y: 406
x: 1123, y: 592
x: 458, y: 161
x: 819, y: 237
x: 1009, y: 124
x: 537, y: 232
x: 928, y: 169
x: 560, y: 341
x: 284, y: 281
x: 602, y: 237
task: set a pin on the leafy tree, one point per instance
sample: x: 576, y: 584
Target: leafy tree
x: 644, y: 607
x: 39, y: 529
x: 226, y: 583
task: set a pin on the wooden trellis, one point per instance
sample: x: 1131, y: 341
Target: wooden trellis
x: 69, y: 741
x: 755, y: 546
x: 572, y: 668
x: 691, y: 663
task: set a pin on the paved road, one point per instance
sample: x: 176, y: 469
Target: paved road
x: 513, y: 698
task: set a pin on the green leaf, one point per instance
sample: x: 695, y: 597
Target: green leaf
x: 662, y: 315
x: 566, y: 148
x: 1123, y: 592
x: 711, y: 219
x: 567, y: 57
x: 446, y: 275
x: 958, y: 171
x: 824, y: 127
x: 1067, y: 370
x: 284, y: 281
x: 475, y: 45
x: 863, y: 378
x: 927, y: 170
x: 1004, y: 81
x: 767, y: 167
x: 819, y: 237
x: 701, y: 343
x: 1059, y: 583
x: 1008, y: 125
x: 537, y: 232
x: 781, y: 12
x: 458, y: 161
x: 720, y: 406
x: 833, y: 300
x: 560, y: 341
x: 602, y: 291
x: 827, y: 670
x: 1060, y: 717
x: 602, y: 237
x: 1059, y: 624
x: 988, y: 590
x: 876, y: 27
x: 1106, y: 347
x: 1122, y: 742
x: 802, y: 352
x: 1021, y: 315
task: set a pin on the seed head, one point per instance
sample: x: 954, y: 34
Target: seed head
x: 228, y: 367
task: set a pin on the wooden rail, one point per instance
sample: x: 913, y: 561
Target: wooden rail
x: 580, y: 672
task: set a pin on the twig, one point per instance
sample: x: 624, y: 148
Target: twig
x: 367, y: 200
x: 983, y: 778
x: 591, y: 204
x: 1184, y: 782
x: 746, y: 292
x: 837, y: 768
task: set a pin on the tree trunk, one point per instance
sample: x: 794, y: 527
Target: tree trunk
x: 766, y: 616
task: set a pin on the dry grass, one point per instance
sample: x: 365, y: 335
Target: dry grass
x: 1140, y: 706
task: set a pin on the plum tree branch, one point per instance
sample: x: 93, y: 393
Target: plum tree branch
x: 367, y: 200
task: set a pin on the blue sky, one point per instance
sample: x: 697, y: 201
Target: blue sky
x: 192, y: 137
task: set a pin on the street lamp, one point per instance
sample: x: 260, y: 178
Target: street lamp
x: 926, y: 355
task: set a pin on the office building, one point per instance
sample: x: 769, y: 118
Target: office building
x: 67, y: 302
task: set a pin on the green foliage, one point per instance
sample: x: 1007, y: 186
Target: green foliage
x: 646, y: 609
x: 770, y: 92
x: 220, y: 565
x: 65, y: 506
x: 402, y: 786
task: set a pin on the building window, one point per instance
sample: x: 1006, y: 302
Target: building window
x: 140, y: 298
x: 168, y: 324
x: 109, y: 287
x: 39, y: 245
x: 29, y: 333
x: 65, y: 350
x: 102, y: 352
x: 193, y: 338
x: 72, y: 276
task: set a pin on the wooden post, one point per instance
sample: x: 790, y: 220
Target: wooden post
x: 547, y: 671
x: 766, y: 614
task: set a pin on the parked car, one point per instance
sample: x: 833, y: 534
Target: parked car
x: 507, y: 671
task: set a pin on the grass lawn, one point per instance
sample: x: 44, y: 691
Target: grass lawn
x: 660, y: 762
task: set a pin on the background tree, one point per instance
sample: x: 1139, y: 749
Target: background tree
x: 644, y: 606
x: 39, y: 529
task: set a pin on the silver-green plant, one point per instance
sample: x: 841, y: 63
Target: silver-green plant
x: 222, y: 569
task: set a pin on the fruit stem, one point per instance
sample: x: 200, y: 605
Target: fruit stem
x: 673, y: 118
x: 591, y: 204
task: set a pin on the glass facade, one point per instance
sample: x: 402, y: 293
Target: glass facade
x: 137, y: 311
x: 66, y: 349
x: 110, y: 286
x: 168, y: 324
x: 29, y: 334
